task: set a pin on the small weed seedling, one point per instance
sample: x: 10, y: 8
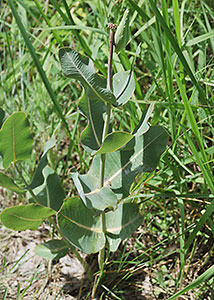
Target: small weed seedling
x: 102, y: 215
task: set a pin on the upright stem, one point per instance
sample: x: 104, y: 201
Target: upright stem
x: 112, y: 28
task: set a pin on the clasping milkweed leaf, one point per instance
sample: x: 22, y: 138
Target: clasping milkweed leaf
x: 15, y: 139
x: 143, y: 126
x: 80, y: 67
x: 82, y: 226
x: 38, y: 177
x: 114, y: 141
x: 92, y: 196
x: 121, y: 223
x: 122, y: 33
x: 93, y: 110
x: 25, y: 217
x: 123, y: 86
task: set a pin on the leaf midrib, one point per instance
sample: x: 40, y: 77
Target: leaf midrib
x: 83, y: 76
x: 99, y: 230
x: 24, y: 218
x: 130, y: 161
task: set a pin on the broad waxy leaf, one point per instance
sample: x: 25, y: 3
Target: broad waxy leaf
x: 15, y: 139
x: 93, y: 198
x: 121, y: 223
x: 24, y: 217
x: 54, y: 249
x: 143, y: 126
x: 123, y: 86
x: 91, y: 137
x: 142, y: 155
x: 81, y: 226
x: 122, y: 32
x: 8, y: 183
x: 50, y: 193
x: 38, y: 178
x: 46, y: 183
x: 80, y: 67
x: 114, y: 141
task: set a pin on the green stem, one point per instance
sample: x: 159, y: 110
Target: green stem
x: 112, y: 28
x: 105, y: 132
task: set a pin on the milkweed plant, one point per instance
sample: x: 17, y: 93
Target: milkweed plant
x: 103, y: 214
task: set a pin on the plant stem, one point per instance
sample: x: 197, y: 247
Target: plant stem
x: 105, y: 132
x: 112, y: 28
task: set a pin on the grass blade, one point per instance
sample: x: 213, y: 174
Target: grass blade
x: 42, y: 74
x: 201, y: 279
x: 69, y: 21
x: 178, y: 50
x: 37, y: 63
x: 200, y: 38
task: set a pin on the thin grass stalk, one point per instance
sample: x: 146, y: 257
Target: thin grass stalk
x: 201, y: 279
x: 58, y: 40
x: 177, y: 49
x: 182, y: 241
x: 180, y: 201
x: 69, y: 21
x: 43, y: 76
x: 169, y: 81
x: 179, y: 39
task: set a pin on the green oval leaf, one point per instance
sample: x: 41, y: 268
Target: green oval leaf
x: 8, y: 183
x: 81, y: 226
x: 24, y: 217
x: 50, y: 193
x: 114, y: 141
x: 122, y: 32
x: 99, y: 199
x: 15, y: 139
x: 143, y: 126
x: 121, y: 223
x: 80, y: 67
x: 91, y: 137
x: 123, y: 86
x: 54, y: 249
